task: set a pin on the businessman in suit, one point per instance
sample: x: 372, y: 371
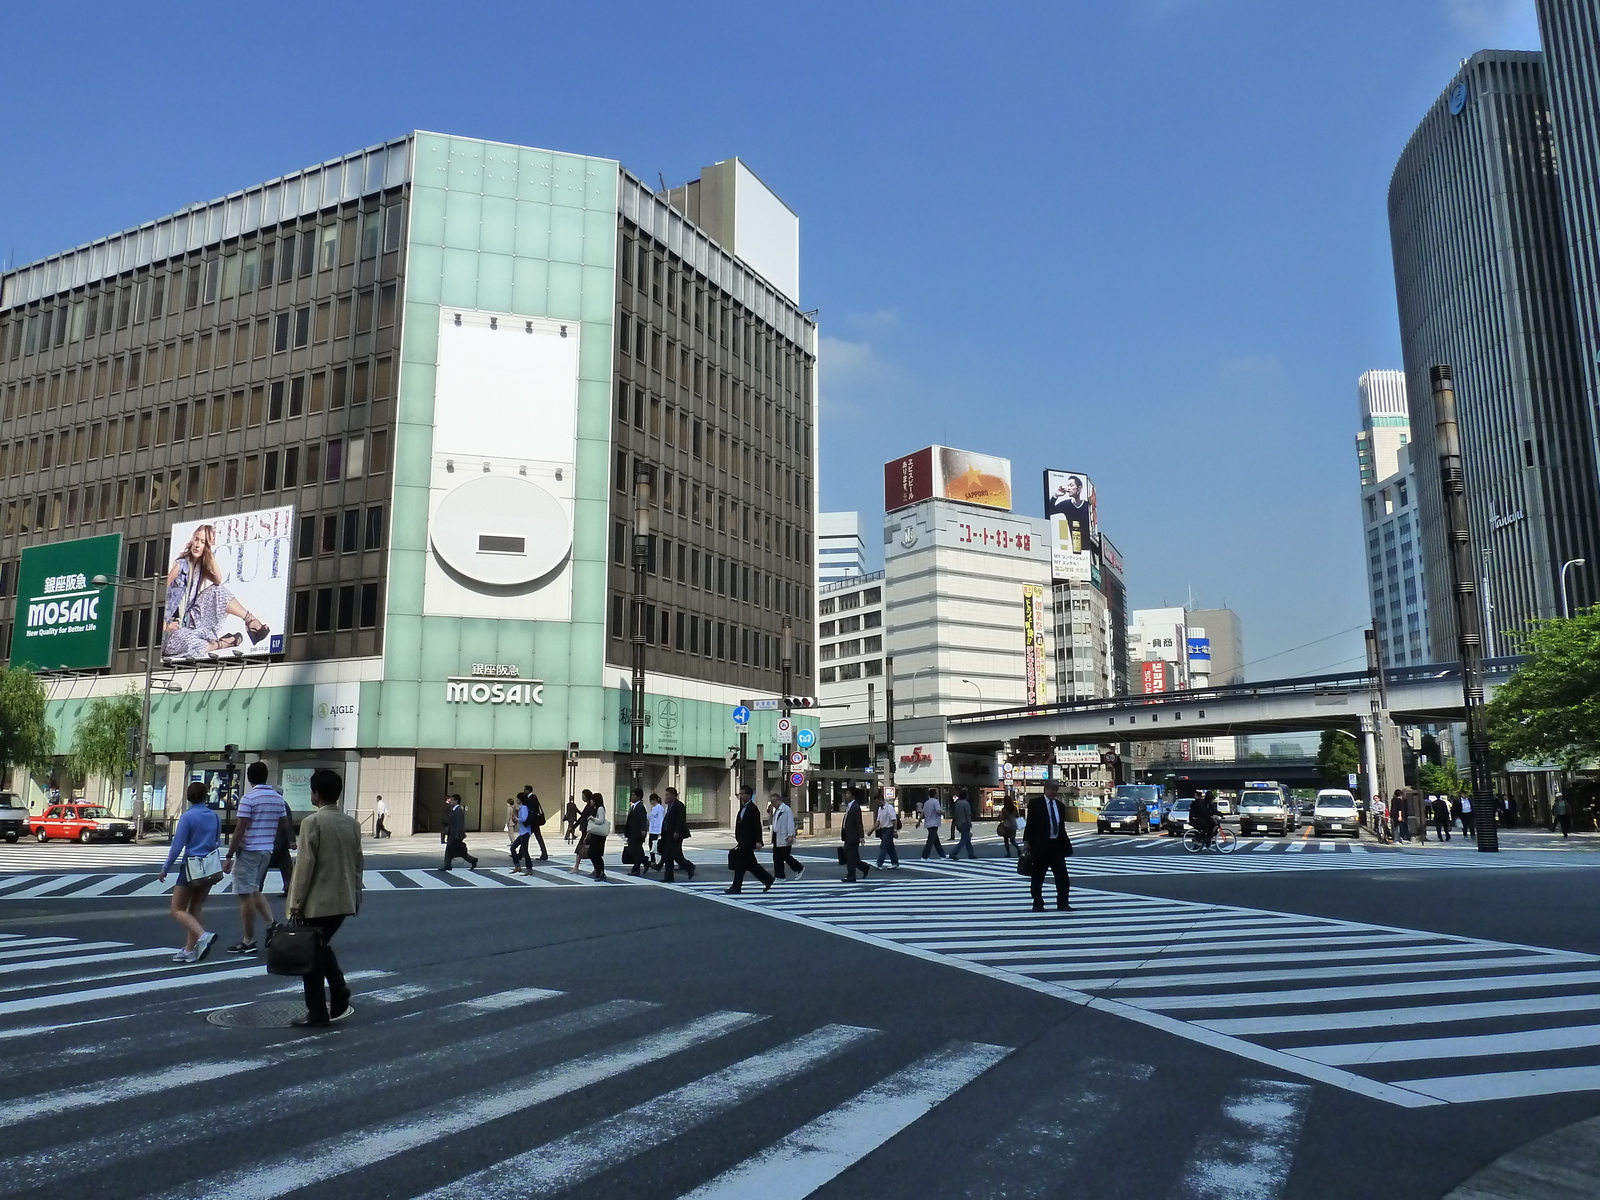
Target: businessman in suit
x: 747, y: 840
x: 1047, y: 840
x: 852, y: 834
x: 674, y: 828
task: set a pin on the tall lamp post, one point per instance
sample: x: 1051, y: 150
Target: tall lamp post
x: 977, y: 689
x: 914, y: 674
x: 1566, y: 609
x: 786, y: 657
x: 151, y: 586
x: 641, y: 563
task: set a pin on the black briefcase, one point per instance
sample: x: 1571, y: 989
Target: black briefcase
x: 292, y: 948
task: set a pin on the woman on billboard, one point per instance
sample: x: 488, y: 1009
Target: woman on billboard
x: 198, y: 603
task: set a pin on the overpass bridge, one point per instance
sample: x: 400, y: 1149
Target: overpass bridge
x: 1429, y: 694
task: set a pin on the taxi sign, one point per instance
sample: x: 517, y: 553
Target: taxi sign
x: 741, y: 715
x: 805, y: 738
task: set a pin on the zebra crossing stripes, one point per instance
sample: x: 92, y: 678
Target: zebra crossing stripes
x: 143, y: 884
x: 1264, y: 985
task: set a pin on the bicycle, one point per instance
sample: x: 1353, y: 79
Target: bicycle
x: 1222, y: 841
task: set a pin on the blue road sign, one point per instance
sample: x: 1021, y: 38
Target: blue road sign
x: 805, y: 738
x: 741, y: 715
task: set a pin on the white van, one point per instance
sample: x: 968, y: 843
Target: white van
x: 1335, y: 812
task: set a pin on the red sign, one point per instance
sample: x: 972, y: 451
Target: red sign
x: 915, y: 758
x: 1154, y: 676
x: 908, y: 480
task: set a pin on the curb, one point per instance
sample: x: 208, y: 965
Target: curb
x: 1564, y: 1165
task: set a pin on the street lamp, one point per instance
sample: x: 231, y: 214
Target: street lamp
x: 641, y: 562
x: 786, y: 659
x: 914, y: 675
x: 150, y: 585
x: 1566, y: 609
x: 975, y: 688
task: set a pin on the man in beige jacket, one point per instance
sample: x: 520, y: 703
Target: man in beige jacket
x: 326, y: 889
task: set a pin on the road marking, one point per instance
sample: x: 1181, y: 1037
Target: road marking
x: 327, y: 1159
x: 584, y: 1154
x: 799, y: 1164
x: 1297, y: 846
x: 67, y: 999
x: 1508, y: 1085
x: 60, y: 883
x: 1249, y: 1157
x: 1417, y: 1015
x: 1191, y: 979
x: 78, y: 960
x: 1326, y: 995
x: 1527, y: 1041
x: 24, y: 947
x: 425, y: 879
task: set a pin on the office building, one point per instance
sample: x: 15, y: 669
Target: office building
x: 395, y: 406
x: 1177, y: 649
x: 1390, y: 528
x: 841, y: 548
x: 1482, y: 282
x: 1385, y: 423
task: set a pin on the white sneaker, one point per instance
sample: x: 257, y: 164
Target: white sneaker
x: 203, y: 946
x: 182, y: 956
x: 191, y: 956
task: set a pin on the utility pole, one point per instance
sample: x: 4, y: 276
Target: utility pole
x: 888, y: 720
x: 872, y: 739
x: 641, y: 562
x: 787, y: 633
x: 1469, y: 626
x: 1389, y: 765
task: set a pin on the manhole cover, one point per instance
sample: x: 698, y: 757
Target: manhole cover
x: 266, y: 1014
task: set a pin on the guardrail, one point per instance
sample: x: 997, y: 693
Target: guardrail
x: 1303, y: 685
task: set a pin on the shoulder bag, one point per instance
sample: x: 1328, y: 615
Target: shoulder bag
x: 292, y: 948
x: 1025, y: 863
x: 599, y: 824
x: 202, y: 868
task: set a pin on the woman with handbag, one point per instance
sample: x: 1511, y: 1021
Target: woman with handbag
x: 1007, y: 828
x: 580, y: 825
x: 194, y: 850
x: 595, y: 830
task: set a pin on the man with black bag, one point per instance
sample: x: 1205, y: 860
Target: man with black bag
x: 851, y: 834
x: 536, y: 820
x: 747, y: 840
x: 1048, y: 847
x: 674, y: 828
x: 325, y: 889
x: 636, y: 830
x: 454, y: 833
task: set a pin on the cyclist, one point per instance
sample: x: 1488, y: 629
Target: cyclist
x: 1203, y: 816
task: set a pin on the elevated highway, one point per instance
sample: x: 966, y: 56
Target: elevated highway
x: 1422, y: 695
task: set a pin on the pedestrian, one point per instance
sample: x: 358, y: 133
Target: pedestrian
x: 570, y: 817
x: 932, y: 815
x: 747, y: 840
x: 579, y: 820
x: 1468, y: 828
x: 326, y: 889
x: 1441, y: 817
x: 595, y: 831
x: 194, y: 850
x: 961, y: 818
x: 1397, y: 816
x: 281, y: 860
x: 536, y: 820
x: 1563, y: 814
x: 888, y: 830
x: 1007, y: 828
x: 522, y: 825
x: 637, y: 830
x: 1045, y: 833
x: 454, y: 834
x: 783, y: 835
x: 261, y: 813
x: 674, y: 829
x: 380, y: 829
x: 657, y: 812
x: 851, y: 834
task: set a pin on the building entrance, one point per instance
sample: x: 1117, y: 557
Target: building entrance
x: 466, y: 780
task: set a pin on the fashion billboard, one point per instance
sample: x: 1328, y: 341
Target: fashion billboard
x: 942, y: 473
x: 63, y: 621
x: 1071, y: 507
x: 228, y: 586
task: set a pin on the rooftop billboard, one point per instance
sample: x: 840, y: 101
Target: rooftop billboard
x: 63, y: 621
x: 943, y: 473
x: 1071, y: 506
x: 228, y: 585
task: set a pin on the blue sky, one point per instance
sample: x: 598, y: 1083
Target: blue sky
x: 1144, y: 239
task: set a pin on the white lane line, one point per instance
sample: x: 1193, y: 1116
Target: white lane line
x: 78, y: 960
x: 53, y: 1164
x: 497, y: 1001
x: 1207, y: 978
x: 24, y: 947
x: 483, y: 879
x: 1528, y: 1041
x: 130, y: 1087
x: 1297, y: 845
x: 345, y: 1152
x: 1161, y: 958
x: 1329, y: 995
x: 1261, y: 847
x: 1119, y: 945
x: 1358, y: 848
x: 426, y: 880
x: 15, y: 881
x: 1372, y: 1018
x: 1507, y: 1085
x: 156, y: 888
x: 59, y: 884
x: 586, y: 1153
x: 68, y: 999
x: 1249, y: 1157
x: 101, y: 886
x: 377, y: 881
x: 799, y: 1164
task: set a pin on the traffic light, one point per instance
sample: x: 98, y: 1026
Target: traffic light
x: 800, y: 701
x: 731, y: 758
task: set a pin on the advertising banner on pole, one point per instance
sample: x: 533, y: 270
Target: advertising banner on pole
x: 228, y: 586
x: 63, y: 621
x: 1033, y: 625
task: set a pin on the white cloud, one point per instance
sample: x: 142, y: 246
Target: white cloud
x: 842, y: 363
x: 1497, y: 24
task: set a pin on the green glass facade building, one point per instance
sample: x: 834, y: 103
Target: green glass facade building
x: 449, y: 357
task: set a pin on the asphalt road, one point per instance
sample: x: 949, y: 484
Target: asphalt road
x: 625, y: 1039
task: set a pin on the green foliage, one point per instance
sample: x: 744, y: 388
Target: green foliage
x: 1338, y: 758
x: 100, y: 741
x: 26, y: 739
x: 1550, y: 709
x: 1435, y: 780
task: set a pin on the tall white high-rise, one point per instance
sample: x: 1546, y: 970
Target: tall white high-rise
x: 1385, y: 424
x: 841, y: 548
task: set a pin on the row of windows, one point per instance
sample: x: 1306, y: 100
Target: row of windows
x: 319, y: 610
x: 678, y: 429
x: 849, y: 600
x: 186, y: 287
x: 866, y: 620
x: 849, y: 671
x: 720, y: 576
x: 725, y: 514
x: 340, y: 533
x: 853, y: 648
x: 690, y: 633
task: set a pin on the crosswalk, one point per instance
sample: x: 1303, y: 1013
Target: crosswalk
x: 80, y: 885
x: 447, y: 1088
x: 1409, y: 1017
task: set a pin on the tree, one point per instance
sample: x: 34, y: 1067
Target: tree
x: 100, y: 743
x: 1550, y: 709
x: 26, y: 739
x: 1338, y: 758
x: 1440, y: 780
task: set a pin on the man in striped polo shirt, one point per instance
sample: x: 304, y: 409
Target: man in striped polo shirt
x: 261, y: 811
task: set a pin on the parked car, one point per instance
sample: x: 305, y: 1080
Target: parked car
x: 81, y: 823
x: 1335, y: 812
x: 1178, y: 819
x: 1124, y: 814
x: 13, y: 816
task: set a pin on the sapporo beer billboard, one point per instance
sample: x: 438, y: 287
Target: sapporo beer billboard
x: 947, y: 474
x: 63, y: 621
x: 228, y: 585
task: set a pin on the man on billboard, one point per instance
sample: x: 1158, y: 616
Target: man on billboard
x: 1071, y: 497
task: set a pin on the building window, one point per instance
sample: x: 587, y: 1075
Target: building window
x: 351, y: 540
x: 616, y: 617
x: 347, y: 607
x: 827, y: 675
x: 324, y: 620
x: 302, y: 611
x: 374, y: 538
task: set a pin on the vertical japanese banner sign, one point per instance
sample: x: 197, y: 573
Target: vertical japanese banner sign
x: 1033, y: 641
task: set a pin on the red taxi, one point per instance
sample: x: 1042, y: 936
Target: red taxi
x: 80, y: 823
